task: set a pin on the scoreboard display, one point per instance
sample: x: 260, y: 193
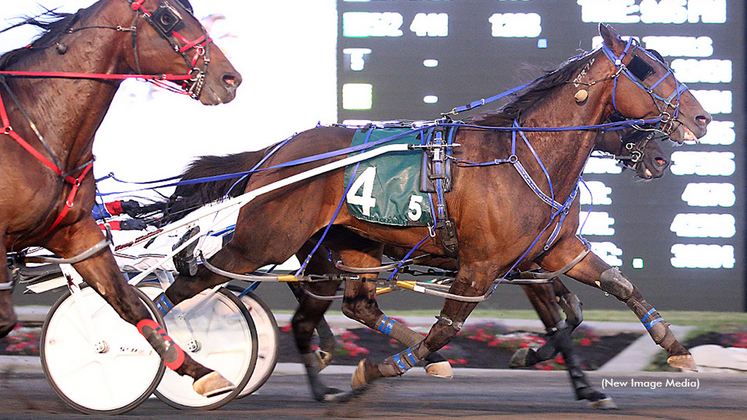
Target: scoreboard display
x: 681, y: 238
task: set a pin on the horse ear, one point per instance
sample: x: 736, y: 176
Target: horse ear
x: 610, y: 36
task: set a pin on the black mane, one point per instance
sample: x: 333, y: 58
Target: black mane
x: 54, y: 24
x: 505, y: 116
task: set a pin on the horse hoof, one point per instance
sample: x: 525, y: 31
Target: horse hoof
x: 519, y: 358
x: 523, y: 358
x: 343, y: 397
x: 361, y: 376
x: 323, y: 358
x: 439, y: 370
x: 683, y: 361
x: 212, y: 384
x: 605, y: 403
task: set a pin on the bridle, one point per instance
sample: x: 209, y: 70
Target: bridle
x: 637, y: 70
x: 165, y: 20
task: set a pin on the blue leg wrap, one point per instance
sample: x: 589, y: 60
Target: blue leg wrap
x: 385, y: 325
x: 653, y: 322
x: 163, y: 304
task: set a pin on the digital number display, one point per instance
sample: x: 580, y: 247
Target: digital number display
x: 679, y: 238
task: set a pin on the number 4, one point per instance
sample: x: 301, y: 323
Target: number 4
x: 365, y: 199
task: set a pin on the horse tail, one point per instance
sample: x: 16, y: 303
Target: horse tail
x: 188, y: 197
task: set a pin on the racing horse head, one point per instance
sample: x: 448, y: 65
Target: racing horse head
x: 637, y: 149
x: 173, y: 24
x: 680, y: 115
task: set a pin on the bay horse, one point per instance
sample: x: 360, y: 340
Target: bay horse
x: 55, y: 93
x: 638, y: 149
x: 501, y: 223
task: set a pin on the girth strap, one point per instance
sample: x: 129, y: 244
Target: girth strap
x: 437, y: 149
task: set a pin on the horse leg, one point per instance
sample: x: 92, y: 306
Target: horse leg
x: 327, y: 342
x: 558, y: 340
x: 593, y: 271
x: 308, y: 315
x: 545, y: 298
x: 103, y: 275
x: 542, y: 298
x: 8, y: 318
x: 359, y: 303
x: 569, y: 303
x: 472, y: 280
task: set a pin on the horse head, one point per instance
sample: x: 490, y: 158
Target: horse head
x: 649, y: 89
x: 636, y: 148
x: 174, y: 42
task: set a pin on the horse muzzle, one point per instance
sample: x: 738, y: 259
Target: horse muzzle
x: 220, y: 90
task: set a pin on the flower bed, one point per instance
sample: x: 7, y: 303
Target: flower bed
x: 476, y: 346
x: 22, y: 341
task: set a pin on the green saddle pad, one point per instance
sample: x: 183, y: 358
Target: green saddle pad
x: 386, y: 189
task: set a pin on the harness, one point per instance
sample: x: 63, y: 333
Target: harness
x: 165, y: 20
x: 636, y: 71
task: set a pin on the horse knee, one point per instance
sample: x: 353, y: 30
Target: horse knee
x: 615, y: 283
x: 364, y: 314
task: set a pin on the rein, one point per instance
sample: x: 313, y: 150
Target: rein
x: 164, y: 20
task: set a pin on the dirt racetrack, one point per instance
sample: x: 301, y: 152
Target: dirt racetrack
x: 472, y: 394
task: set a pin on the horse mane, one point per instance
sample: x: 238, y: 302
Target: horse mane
x: 541, y: 86
x: 54, y: 25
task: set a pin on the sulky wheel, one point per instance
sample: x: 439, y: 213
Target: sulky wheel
x: 94, y: 360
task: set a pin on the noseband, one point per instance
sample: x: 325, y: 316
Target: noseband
x: 165, y: 21
x: 637, y: 70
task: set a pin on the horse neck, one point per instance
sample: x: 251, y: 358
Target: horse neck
x: 68, y: 112
x: 564, y: 153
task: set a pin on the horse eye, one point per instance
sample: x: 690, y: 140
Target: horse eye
x: 166, y: 19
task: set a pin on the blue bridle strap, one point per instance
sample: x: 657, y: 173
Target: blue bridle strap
x: 667, y: 102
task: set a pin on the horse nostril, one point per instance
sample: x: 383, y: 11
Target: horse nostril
x: 231, y: 80
x: 661, y: 162
x: 703, y: 120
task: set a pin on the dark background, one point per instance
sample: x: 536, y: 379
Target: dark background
x: 473, y: 65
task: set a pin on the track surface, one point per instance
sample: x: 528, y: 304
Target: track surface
x: 483, y: 394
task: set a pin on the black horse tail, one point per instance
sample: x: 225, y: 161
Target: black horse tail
x: 188, y: 197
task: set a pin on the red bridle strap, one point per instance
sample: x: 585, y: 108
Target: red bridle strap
x: 71, y: 197
x: 7, y: 129
x: 73, y: 75
x: 75, y: 182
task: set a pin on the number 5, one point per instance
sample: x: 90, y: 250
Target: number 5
x: 415, y: 208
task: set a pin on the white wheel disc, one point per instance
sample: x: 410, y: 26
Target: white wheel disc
x: 109, y: 369
x: 268, y: 335
x: 216, y: 332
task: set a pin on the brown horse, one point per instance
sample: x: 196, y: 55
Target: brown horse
x: 635, y: 148
x: 47, y: 186
x: 500, y: 221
